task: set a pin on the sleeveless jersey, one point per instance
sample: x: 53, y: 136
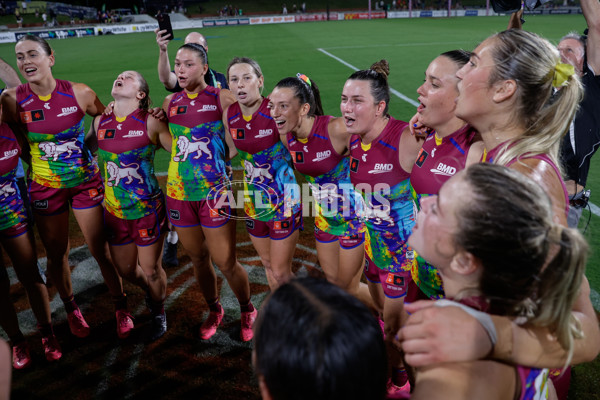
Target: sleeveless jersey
x: 338, y: 206
x: 126, y: 160
x: 55, y: 132
x: 376, y: 173
x: 436, y: 164
x: 269, y: 182
x: 11, y: 203
x: 494, y: 153
x: 198, y: 157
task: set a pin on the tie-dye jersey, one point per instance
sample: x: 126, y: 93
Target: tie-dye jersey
x: 11, y: 204
x: 126, y: 160
x: 496, y: 151
x: 376, y: 173
x: 269, y: 181
x: 436, y: 164
x: 339, y: 208
x: 533, y: 382
x: 197, y: 164
x: 55, y: 132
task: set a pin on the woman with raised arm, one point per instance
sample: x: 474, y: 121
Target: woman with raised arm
x: 449, y: 147
x: 490, y: 232
x: 382, y: 155
x: 134, y: 206
x: 272, y: 205
x: 49, y: 113
x: 521, y: 99
x: 198, y: 187
x: 319, y: 146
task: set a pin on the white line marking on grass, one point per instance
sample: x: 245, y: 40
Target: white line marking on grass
x: 249, y: 259
x: 307, y: 249
x: 394, y: 91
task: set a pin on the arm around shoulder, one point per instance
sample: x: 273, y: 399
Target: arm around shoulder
x: 340, y: 138
x: 226, y: 98
x: 536, y: 347
x: 158, y: 132
x: 87, y: 99
x: 409, y: 148
x: 9, y: 105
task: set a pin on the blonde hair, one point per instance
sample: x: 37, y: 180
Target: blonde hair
x: 532, y: 268
x: 546, y: 112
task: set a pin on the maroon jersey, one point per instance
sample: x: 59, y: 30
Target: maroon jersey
x: 315, y: 155
x: 254, y: 135
x: 437, y: 162
x: 55, y: 132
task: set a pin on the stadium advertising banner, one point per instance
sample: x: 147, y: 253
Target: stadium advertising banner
x: 57, y: 33
x: 315, y: 17
x: 272, y: 20
x: 365, y: 15
x: 7, y: 37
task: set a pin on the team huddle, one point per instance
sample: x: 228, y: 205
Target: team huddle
x: 466, y: 203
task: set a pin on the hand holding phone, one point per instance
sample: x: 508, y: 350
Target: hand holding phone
x: 164, y: 24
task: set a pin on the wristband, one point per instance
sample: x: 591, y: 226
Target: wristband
x: 484, y: 319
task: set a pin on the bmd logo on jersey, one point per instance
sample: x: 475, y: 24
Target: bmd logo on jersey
x: 67, y: 111
x: 32, y: 116
x: 134, y: 134
x: 237, y: 133
x: 106, y: 134
x: 380, y: 168
x: 322, y: 155
x: 354, y: 162
x: 443, y: 169
x: 208, y: 107
x: 177, y: 110
x: 421, y: 158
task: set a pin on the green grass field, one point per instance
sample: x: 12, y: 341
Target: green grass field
x: 325, y: 51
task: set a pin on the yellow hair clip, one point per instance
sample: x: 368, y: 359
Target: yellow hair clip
x: 562, y: 72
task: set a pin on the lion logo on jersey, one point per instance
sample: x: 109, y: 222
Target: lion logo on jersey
x: 379, y: 213
x: 7, y: 190
x: 126, y: 171
x: 259, y: 172
x: 327, y: 192
x: 53, y: 150
x: 187, y: 147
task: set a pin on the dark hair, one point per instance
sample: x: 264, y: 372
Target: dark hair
x: 198, y: 49
x: 459, y: 57
x: 39, y: 40
x: 313, y: 340
x: 532, y: 266
x: 305, y: 92
x: 377, y: 75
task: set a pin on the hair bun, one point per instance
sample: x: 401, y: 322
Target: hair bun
x: 381, y: 67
